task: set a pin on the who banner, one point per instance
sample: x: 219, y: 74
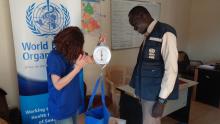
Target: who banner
x: 34, y: 24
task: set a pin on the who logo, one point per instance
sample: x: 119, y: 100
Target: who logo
x: 47, y: 18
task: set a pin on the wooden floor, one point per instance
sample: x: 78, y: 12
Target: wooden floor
x: 200, y: 114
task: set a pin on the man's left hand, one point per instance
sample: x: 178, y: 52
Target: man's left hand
x: 158, y: 109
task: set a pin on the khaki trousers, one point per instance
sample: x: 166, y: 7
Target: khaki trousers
x: 147, y: 110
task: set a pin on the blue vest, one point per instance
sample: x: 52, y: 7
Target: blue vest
x: 149, y: 70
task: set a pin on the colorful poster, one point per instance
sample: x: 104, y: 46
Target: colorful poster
x: 91, y: 16
x: 34, y: 24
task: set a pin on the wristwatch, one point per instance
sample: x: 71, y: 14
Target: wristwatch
x: 162, y: 101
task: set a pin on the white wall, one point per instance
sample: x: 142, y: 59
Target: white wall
x: 8, y: 79
x: 174, y: 12
x: 177, y: 13
x: 91, y: 72
x: 204, y: 33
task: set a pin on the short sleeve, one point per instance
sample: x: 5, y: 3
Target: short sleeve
x: 54, y: 65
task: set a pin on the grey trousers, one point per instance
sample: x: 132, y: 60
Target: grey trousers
x: 147, y: 110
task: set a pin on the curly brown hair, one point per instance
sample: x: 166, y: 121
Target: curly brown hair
x: 69, y: 42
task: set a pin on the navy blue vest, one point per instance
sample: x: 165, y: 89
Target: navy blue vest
x: 149, y: 70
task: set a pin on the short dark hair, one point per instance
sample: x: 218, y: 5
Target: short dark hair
x: 69, y: 42
x: 138, y: 12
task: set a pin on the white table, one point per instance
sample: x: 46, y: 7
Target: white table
x: 178, y: 109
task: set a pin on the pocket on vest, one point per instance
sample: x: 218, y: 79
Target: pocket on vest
x: 154, y: 73
x: 151, y: 82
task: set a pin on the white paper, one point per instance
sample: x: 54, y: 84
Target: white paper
x: 123, y: 35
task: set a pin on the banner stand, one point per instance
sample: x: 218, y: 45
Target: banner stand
x: 34, y: 25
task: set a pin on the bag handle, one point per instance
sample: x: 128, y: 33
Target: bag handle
x: 93, y: 93
x: 103, y: 92
x: 100, y: 79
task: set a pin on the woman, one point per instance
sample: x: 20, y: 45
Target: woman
x: 65, y: 75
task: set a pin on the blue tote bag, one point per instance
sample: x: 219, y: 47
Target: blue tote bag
x: 100, y: 114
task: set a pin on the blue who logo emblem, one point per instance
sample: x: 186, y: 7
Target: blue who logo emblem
x: 47, y: 18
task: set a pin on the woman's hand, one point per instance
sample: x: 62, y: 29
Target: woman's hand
x: 89, y: 59
x: 102, y: 38
x: 81, y: 61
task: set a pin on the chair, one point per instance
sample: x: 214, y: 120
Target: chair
x: 4, y: 110
x: 97, y: 98
x: 2, y: 121
x: 114, y: 76
x: 117, y: 75
x: 186, y: 67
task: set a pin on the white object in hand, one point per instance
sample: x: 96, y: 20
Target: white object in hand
x: 102, y: 55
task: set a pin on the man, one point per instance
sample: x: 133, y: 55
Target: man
x: 155, y: 75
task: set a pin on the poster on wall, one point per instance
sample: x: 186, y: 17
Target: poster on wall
x: 123, y: 34
x: 91, y: 12
x: 34, y: 24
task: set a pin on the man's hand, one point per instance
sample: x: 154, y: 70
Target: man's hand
x: 158, y: 109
